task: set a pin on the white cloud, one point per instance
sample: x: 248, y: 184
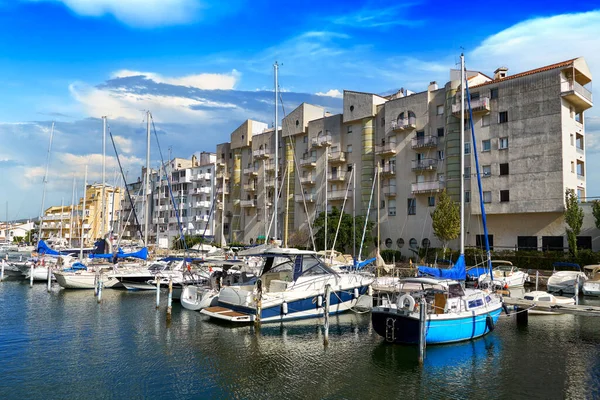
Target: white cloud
x: 199, y: 81
x: 372, y: 17
x: 123, y: 144
x: 331, y: 93
x: 141, y: 13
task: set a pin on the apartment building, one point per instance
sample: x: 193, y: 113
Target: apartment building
x: 529, y: 133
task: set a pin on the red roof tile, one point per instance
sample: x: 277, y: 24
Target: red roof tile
x: 531, y: 72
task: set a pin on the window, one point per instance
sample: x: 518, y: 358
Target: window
x: 467, y: 172
x: 440, y: 110
x: 480, y: 241
x: 572, y: 140
x: 426, y: 243
x: 382, y: 205
x: 552, y: 243
x: 487, y: 197
x: 584, y: 242
x: 475, y: 96
x: 502, y: 143
x: 572, y: 167
x: 349, y: 148
x: 485, y: 120
x: 392, y: 207
x: 440, y: 154
x: 440, y: 132
x: 486, y: 145
x: 504, y: 169
x: 351, y: 108
x: 504, y: 196
x: 502, y: 117
x: 431, y: 201
x: 412, y: 206
x: 486, y: 170
x: 382, y: 121
x: 412, y: 243
x: 258, y: 214
x: 467, y: 196
x: 494, y: 93
x: 527, y: 242
x: 305, y: 139
x: 467, y: 147
x: 349, y: 168
x: 349, y: 129
x: 400, y: 243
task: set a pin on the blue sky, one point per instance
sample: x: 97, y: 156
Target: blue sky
x: 202, y: 67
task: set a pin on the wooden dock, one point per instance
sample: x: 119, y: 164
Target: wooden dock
x: 522, y: 305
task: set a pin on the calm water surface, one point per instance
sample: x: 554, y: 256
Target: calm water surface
x: 64, y: 345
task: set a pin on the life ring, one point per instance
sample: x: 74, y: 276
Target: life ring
x: 402, y: 302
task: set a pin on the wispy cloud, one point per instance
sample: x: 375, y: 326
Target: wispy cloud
x: 200, y: 81
x: 373, y: 17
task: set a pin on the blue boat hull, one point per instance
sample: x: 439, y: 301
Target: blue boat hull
x: 401, y: 328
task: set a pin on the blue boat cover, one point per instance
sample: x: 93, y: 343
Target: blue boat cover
x: 43, y: 248
x: 141, y: 254
x: 457, y: 272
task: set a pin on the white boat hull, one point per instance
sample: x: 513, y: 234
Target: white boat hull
x: 515, y: 279
x: 83, y: 280
x: 591, y: 288
x: 564, y: 282
x: 197, y: 298
x: 39, y: 274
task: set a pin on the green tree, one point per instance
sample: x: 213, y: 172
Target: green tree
x: 345, y: 235
x: 596, y: 212
x: 190, y: 241
x: 573, y: 219
x: 446, y: 220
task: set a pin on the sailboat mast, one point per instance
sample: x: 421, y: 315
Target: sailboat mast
x: 62, y: 210
x: 71, y: 218
x: 223, y: 211
x: 354, y: 212
x: 83, y: 214
x: 326, y: 187
x: 378, y: 208
x: 462, y: 153
x: 276, y: 69
x: 287, y: 204
x: 147, y: 184
x: 103, y: 212
x: 45, y: 182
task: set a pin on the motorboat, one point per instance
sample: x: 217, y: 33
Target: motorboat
x: 292, y: 285
x: 563, y: 282
x: 546, y: 299
x: 453, y: 313
x: 506, y: 275
x: 591, y: 287
x: 139, y: 278
x: 81, y: 277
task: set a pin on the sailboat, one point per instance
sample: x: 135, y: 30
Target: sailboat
x: 452, y: 312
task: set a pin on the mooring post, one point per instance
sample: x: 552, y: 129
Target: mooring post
x: 326, y: 315
x: 537, y: 279
x: 422, y: 329
x: 31, y: 276
x: 170, y: 299
x: 95, y: 283
x: 258, y: 303
x: 100, y: 288
x: 577, y: 290
x: 522, y: 317
x: 157, y: 293
x: 49, y: 284
x: 2, y: 271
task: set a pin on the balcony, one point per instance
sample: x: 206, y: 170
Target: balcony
x: 250, y: 187
x: 270, y: 165
x: 403, y: 125
x: 307, y: 180
x: 308, y: 197
x: 221, y: 163
x: 478, y: 106
x: 388, y: 170
x: 427, y: 187
x: 575, y: 93
x: 309, y: 162
x: 338, y: 177
x: 337, y: 194
x: 321, y: 141
x: 204, y: 204
x: 199, y: 218
x: 200, y: 177
x: 389, y: 191
x: 221, y: 190
x: 337, y: 157
x: 205, y: 190
x: 250, y: 171
x: 221, y: 175
x: 247, y: 203
x: 270, y: 183
x: 424, y: 164
x: 424, y: 142
x: 261, y: 154
x: 385, y: 149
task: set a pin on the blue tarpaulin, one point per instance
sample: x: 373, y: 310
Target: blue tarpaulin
x: 457, y: 272
x: 142, y: 254
x: 43, y: 248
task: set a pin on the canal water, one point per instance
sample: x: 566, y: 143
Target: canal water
x: 63, y: 345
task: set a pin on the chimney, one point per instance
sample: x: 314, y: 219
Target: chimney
x: 500, y: 73
x: 432, y: 86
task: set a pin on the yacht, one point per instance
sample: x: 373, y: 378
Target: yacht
x: 563, y: 282
x: 506, y: 275
x: 592, y: 286
x: 547, y: 299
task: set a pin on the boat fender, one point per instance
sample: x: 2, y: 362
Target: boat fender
x: 284, y: 308
x: 406, y: 302
x: 489, y: 322
x: 356, y: 293
x: 319, y: 301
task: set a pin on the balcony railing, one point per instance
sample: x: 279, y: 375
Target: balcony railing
x: 405, y: 124
x: 337, y: 157
x: 480, y: 105
x: 307, y: 180
x: 270, y: 182
x: 336, y: 177
x: 389, y: 191
x: 198, y: 218
x: 321, y: 141
x: 250, y: 187
x: 308, y: 197
x: 430, y: 186
x: 261, y: 153
x: 424, y: 141
x: 577, y: 93
x: 388, y: 169
x: 388, y: 148
x: 270, y: 165
x: 250, y: 171
x: 247, y: 203
x: 337, y: 194
x: 424, y: 164
x: 308, y: 162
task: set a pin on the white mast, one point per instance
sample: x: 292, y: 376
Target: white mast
x: 462, y: 154
x: 45, y: 182
x: 83, y: 214
x: 103, y: 212
x: 276, y: 68
x: 354, y: 211
x: 326, y: 187
x: 147, y: 184
x: 62, y: 210
x: 71, y: 218
x: 223, y: 242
